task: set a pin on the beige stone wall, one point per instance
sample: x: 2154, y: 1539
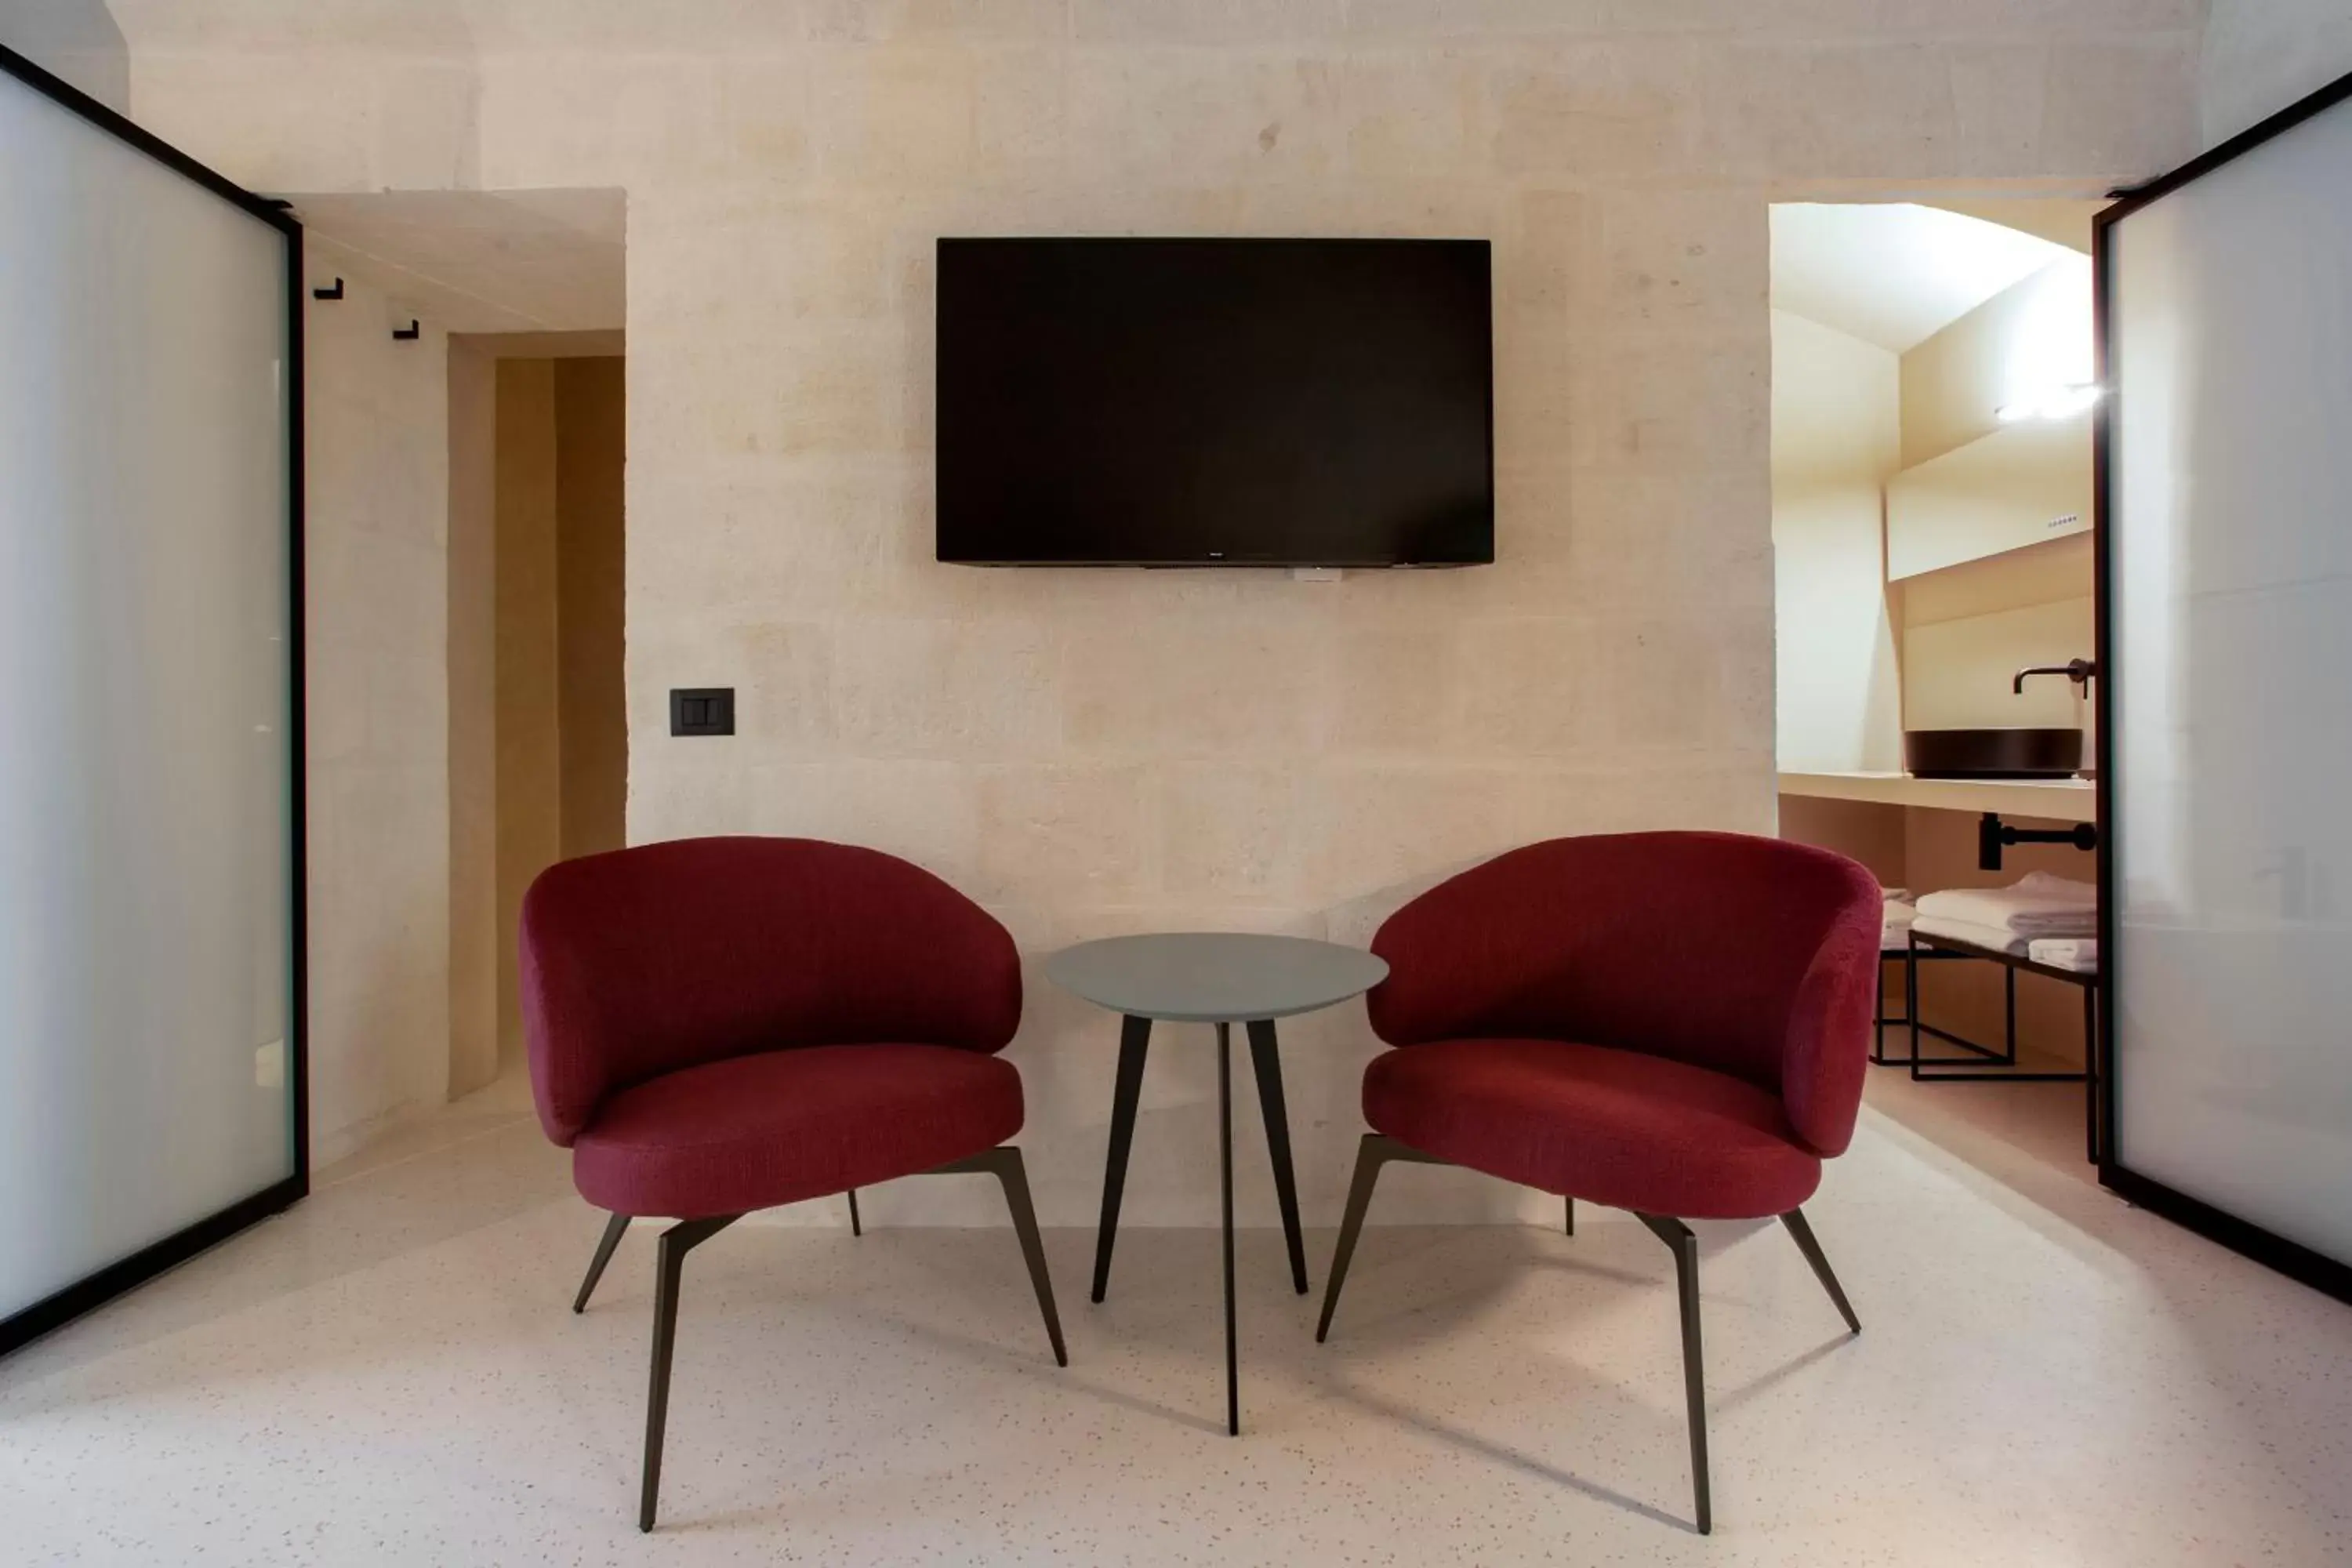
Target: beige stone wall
x: 2263, y: 54
x: 473, y: 947
x: 1091, y: 752
x: 376, y: 606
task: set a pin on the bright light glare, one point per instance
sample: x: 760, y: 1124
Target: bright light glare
x: 2054, y: 402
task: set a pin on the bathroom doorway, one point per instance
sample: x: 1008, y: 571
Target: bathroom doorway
x: 1932, y: 472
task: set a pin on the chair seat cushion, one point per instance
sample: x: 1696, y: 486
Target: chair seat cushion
x: 754, y: 1131
x: 1616, y: 1127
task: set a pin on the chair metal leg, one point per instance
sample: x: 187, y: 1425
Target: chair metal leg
x: 1134, y: 1039
x: 1685, y: 1247
x: 676, y: 1243
x: 1803, y: 1233
x: 1571, y: 1201
x: 1369, y: 1161
x: 1372, y: 1151
x: 856, y: 1229
x: 614, y: 1228
x: 1265, y: 1058
x: 1003, y: 1162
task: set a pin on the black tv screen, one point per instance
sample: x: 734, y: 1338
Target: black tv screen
x: 1216, y: 402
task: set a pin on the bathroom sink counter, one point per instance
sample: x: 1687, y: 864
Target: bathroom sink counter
x: 2057, y: 800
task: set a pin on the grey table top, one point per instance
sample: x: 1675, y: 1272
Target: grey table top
x: 1211, y: 977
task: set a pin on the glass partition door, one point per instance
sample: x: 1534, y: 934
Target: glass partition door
x: 2226, y: 531
x: 151, y: 1044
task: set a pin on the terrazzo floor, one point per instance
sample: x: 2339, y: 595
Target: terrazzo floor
x: 389, y: 1374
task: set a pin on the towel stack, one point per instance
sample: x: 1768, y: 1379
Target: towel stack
x: 2079, y: 953
x: 2041, y: 910
x: 1894, y: 925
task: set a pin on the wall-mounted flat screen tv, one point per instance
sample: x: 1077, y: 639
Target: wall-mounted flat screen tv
x: 1215, y: 402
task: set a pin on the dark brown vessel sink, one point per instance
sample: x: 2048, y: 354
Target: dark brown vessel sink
x: 2021, y: 753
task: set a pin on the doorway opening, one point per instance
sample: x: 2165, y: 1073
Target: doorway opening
x: 537, y: 595
x: 1932, y: 407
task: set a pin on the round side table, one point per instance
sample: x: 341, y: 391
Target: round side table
x: 1221, y: 978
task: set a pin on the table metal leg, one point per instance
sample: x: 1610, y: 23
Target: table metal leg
x: 1265, y: 1058
x: 1134, y: 1039
x: 1911, y: 1001
x: 1225, y: 1171
x: 2009, y: 1014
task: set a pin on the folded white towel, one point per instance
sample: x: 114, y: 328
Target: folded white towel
x: 2080, y: 953
x: 1895, y: 895
x: 2038, y: 905
x: 1968, y: 932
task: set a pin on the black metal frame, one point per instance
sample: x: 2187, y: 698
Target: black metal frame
x: 1878, y: 1057
x: 54, y: 1310
x: 2090, y: 1077
x: 1003, y: 1162
x: 2316, y: 1270
x: 1375, y: 1150
x: 1265, y: 1061
x: 1993, y: 836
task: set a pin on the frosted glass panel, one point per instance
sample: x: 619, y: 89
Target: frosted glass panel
x: 143, y: 739
x: 2232, y: 646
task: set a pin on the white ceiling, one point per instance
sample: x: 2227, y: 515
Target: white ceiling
x: 1894, y: 273
x: 484, y: 261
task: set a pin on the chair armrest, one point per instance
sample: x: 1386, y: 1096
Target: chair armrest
x: 1826, y: 1050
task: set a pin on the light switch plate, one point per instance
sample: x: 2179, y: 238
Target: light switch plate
x: 702, y: 710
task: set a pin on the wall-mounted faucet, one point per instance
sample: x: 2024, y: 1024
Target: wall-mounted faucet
x: 2079, y: 671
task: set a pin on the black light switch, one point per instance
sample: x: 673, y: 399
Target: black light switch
x: 702, y: 710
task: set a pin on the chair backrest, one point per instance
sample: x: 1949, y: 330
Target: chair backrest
x: 647, y: 960
x: 1707, y: 948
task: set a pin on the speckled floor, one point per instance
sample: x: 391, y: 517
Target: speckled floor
x: 388, y: 1375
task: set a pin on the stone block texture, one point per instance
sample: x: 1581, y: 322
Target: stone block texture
x: 1092, y: 751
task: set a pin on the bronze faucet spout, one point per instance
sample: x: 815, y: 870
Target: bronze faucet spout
x: 2079, y: 671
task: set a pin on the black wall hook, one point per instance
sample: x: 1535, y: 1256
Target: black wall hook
x: 408, y: 331
x: 334, y: 293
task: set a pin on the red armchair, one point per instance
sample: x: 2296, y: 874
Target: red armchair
x: 723, y: 1024
x: 1676, y: 1024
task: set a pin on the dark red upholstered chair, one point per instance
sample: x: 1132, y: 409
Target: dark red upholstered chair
x: 723, y: 1024
x: 1676, y: 1024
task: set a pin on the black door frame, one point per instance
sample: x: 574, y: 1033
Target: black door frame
x: 54, y: 1310
x: 2292, y: 1259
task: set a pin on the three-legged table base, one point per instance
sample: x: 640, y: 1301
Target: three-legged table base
x: 1134, y: 1041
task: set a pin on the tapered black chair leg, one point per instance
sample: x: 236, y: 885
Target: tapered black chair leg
x: 676, y: 1243
x: 856, y: 1229
x: 1685, y: 1247
x: 614, y: 1228
x: 1005, y: 1163
x: 1570, y: 1202
x: 1134, y: 1040
x: 1371, y: 1153
x: 1267, y: 1060
x: 1804, y: 1234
